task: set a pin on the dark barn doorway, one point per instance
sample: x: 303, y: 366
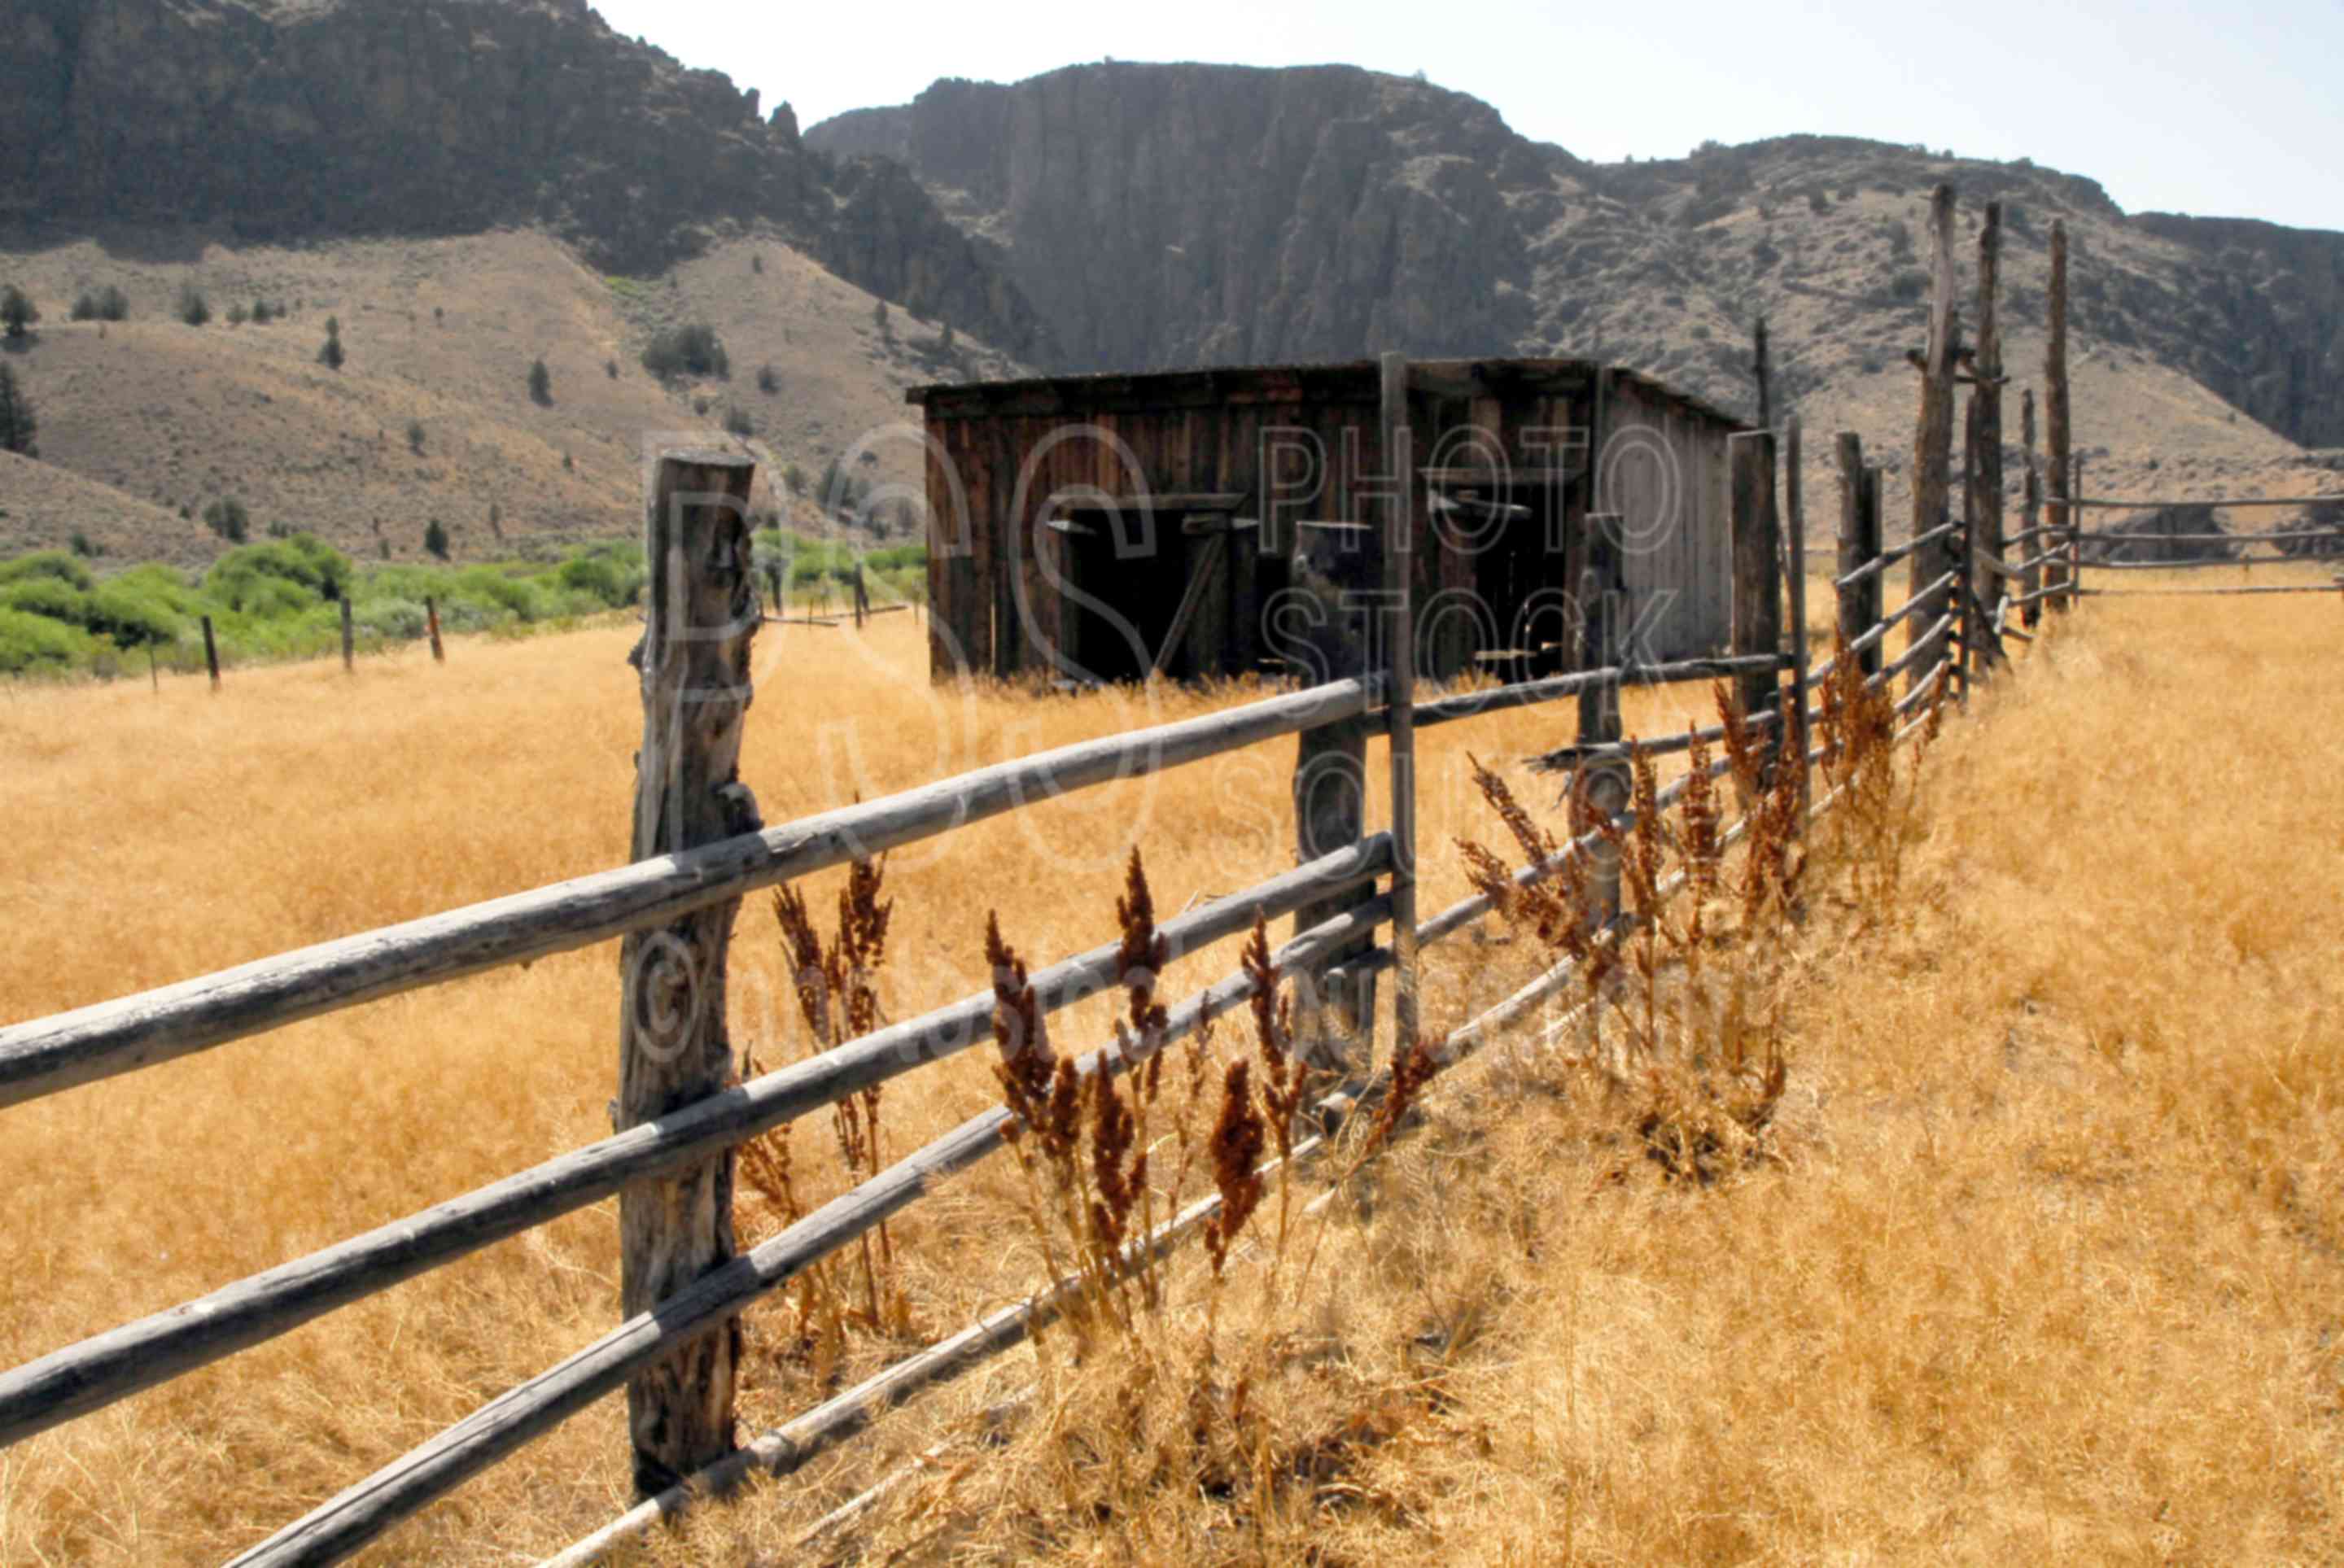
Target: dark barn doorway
x: 1123, y: 604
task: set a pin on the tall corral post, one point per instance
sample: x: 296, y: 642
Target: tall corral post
x: 1757, y: 574
x: 862, y: 599
x: 1399, y: 519
x: 431, y: 624
x: 1795, y: 561
x: 1332, y: 562
x: 1859, y: 541
x: 211, y: 653
x: 349, y: 638
x: 1933, y: 442
x: 2057, y: 435
x: 1983, y: 445
x: 1765, y: 374
x: 674, y: 1048
x: 2030, y: 514
x: 1600, y: 787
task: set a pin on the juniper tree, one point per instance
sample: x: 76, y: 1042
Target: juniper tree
x: 17, y: 426
x: 18, y: 311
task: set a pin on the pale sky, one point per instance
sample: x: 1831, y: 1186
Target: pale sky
x: 2233, y: 110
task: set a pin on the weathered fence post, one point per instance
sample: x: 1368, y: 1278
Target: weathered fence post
x: 2057, y: 435
x: 1334, y: 561
x: 211, y: 653
x: 1765, y: 374
x: 349, y: 638
x: 1600, y: 788
x: 2076, y: 528
x: 432, y: 625
x: 1794, y: 555
x: 1757, y: 579
x: 673, y: 1049
x: 1982, y: 446
x: 862, y: 599
x: 2030, y: 515
x: 1859, y: 541
x: 1933, y: 445
x: 1398, y: 516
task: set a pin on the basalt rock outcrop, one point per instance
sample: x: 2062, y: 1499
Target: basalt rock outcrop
x: 438, y: 116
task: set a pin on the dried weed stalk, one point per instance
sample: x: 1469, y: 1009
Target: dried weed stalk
x: 837, y: 988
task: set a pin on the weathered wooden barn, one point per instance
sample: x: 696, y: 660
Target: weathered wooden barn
x: 1092, y: 527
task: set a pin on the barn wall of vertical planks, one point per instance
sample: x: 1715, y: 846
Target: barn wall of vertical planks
x: 1105, y: 528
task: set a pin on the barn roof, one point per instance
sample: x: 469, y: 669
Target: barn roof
x: 1349, y: 381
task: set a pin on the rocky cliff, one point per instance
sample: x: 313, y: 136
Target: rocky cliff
x: 444, y: 116
x: 1167, y: 215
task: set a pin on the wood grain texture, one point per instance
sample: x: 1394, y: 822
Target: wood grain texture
x: 2058, y: 434
x: 1933, y: 437
x: 1859, y: 543
x: 1981, y: 443
x: 1794, y: 577
x: 1400, y: 513
x: 1757, y: 571
x: 673, y: 1044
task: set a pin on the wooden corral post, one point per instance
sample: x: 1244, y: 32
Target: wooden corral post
x: 1601, y: 789
x: 432, y: 625
x: 1332, y: 559
x: 349, y: 638
x: 2076, y: 493
x: 1859, y: 541
x: 211, y: 653
x: 1397, y: 455
x: 2057, y: 433
x: 1794, y: 559
x: 1933, y: 440
x: 1764, y: 374
x: 2030, y: 514
x: 1982, y: 446
x: 862, y: 599
x: 1757, y: 544
x: 700, y: 616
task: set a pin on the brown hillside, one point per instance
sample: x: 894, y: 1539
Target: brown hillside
x: 43, y: 506
x: 439, y: 332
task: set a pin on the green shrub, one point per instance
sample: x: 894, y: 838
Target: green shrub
x: 314, y: 570
x: 612, y: 582
x: 49, y: 596
x: 55, y: 564
x: 193, y: 308
x: 34, y: 644
x: 694, y: 350
x: 229, y: 520
x: 131, y: 619
x: 390, y: 620
x: 107, y: 304
x: 17, y: 310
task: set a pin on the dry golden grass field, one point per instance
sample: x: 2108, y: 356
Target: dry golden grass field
x: 2042, y: 1257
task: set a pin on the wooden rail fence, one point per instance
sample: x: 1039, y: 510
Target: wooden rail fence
x: 699, y: 847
